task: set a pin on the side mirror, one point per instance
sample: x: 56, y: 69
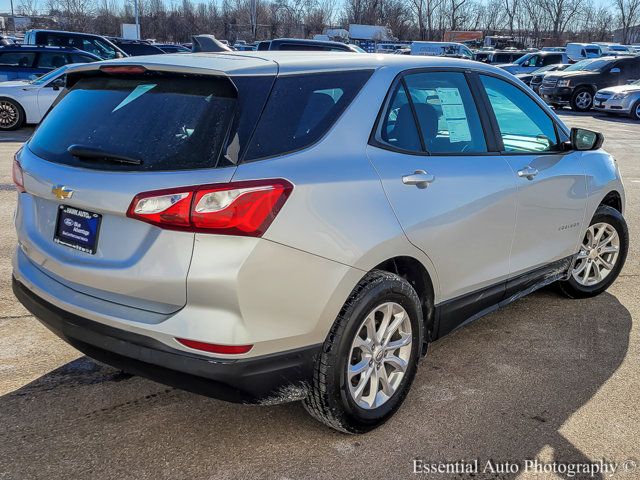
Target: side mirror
x: 58, y: 83
x: 614, y: 70
x: 583, y: 139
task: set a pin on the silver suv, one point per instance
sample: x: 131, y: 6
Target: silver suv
x: 300, y: 226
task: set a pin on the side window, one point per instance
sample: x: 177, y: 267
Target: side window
x: 51, y: 60
x: 17, y: 59
x: 301, y: 109
x: 552, y: 60
x: 80, y: 58
x: 524, y: 125
x: 446, y: 113
x: 398, y: 127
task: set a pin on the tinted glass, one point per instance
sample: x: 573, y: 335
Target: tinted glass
x: 301, y: 109
x: 552, y: 59
x: 398, y: 127
x: 524, y: 125
x: 81, y: 58
x: 51, y: 60
x: 17, y: 59
x: 135, y: 49
x: 446, y: 112
x: 167, y: 123
x: 44, y: 79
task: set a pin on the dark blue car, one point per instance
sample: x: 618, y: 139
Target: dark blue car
x: 20, y: 62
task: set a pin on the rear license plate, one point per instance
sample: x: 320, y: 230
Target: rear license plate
x: 77, y: 229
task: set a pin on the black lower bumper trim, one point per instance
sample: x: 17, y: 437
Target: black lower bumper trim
x: 265, y: 379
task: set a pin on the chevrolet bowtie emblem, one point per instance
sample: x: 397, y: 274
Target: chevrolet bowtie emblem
x: 61, y: 192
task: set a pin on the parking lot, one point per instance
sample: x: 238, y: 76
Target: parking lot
x: 545, y: 378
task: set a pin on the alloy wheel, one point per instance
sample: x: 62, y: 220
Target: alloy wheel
x: 598, y: 254
x: 379, y: 356
x: 583, y: 100
x: 638, y: 110
x: 8, y: 115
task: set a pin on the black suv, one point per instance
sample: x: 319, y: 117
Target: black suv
x: 576, y: 85
x: 88, y: 42
x: 308, y: 45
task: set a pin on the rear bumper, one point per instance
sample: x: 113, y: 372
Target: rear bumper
x: 266, y: 379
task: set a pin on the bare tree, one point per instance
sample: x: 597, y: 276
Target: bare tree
x: 628, y: 13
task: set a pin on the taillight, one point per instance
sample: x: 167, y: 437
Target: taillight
x: 238, y: 208
x: 17, y: 175
x: 215, y: 348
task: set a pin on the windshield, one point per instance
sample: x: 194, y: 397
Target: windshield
x: 523, y: 59
x: 49, y: 76
x: 545, y: 69
x: 589, y: 65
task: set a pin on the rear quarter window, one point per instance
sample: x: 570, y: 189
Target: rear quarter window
x: 301, y: 109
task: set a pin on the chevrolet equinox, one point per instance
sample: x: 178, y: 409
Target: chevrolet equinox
x: 274, y: 226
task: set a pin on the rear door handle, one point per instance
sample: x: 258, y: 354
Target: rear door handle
x: 528, y: 172
x: 419, y: 178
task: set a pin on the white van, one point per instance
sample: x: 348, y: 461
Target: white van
x: 441, y: 49
x: 580, y: 51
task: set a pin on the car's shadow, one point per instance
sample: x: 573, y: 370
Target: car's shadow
x: 21, y: 135
x: 499, y: 389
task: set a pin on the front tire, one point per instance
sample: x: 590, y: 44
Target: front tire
x: 635, y: 111
x: 370, y: 356
x: 12, y: 115
x: 582, y: 100
x: 602, y: 255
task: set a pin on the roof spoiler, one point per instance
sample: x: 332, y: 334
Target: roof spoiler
x: 207, y: 43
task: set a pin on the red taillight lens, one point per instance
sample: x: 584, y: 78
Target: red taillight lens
x: 17, y: 175
x: 237, y: 208
x: 214, y: 348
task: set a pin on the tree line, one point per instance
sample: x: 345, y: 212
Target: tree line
x: 534, y: 22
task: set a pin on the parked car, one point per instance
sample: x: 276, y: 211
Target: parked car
x: 576, y: 85
x: 554, y: 49
x: 504, y: 56
x: 482, y: 56
x: 171, y: 48
x: 614, y: 48
x: 135, y: 48
x: 446, y: 49
x: 27, y: 101
x: 533, y: 61
x: 537, y: 77
x: 582, y: 51
x: 24, y: 62
x: 621, y: 99
x: 94, y: 44
x: 307, y: 45
x: 302, y: 249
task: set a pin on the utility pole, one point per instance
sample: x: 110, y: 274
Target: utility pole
x: 13, y: 19
x: 135, y: 13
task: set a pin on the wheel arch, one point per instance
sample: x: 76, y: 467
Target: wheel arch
x: 417, y: 275
x: 613, y: 199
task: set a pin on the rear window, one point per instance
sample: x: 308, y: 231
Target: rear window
x: 164, y: 122
x: 301, y: 109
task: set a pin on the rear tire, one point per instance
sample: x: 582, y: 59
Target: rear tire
x: 602, y: 255
x: 359, y: 342
x: 582, y: 99
x: 12, y: 115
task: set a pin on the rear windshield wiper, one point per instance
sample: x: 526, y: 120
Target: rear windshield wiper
x: 81, y: 151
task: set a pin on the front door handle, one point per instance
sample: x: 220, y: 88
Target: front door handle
x: 528, y: 172
x: 419, y: 178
